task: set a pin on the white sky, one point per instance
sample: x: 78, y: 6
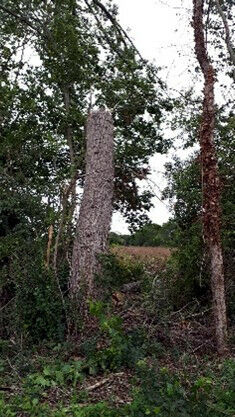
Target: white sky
x: 162, y: 33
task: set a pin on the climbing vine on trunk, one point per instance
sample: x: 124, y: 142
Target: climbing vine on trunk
x: 210, y: 181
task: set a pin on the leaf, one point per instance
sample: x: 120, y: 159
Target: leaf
x: 46, y: 371
x: 40, y: 380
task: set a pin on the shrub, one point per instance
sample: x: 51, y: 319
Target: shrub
x: 117, y: 271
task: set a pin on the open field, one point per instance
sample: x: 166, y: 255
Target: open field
x: 153, y: 258
x: 144, y: 251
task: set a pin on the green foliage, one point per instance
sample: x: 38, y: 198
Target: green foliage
x: 39, y: 308
x: 121, y: 350
x: 116, y: 239
x: 145, y: 236
x: 166, y: 395
x: 35, y: 311
x: 117, y: 271
x: 186, y: 272
x: 42, y: 128
x: 56, y: 375
x: 77, y: 55
x: 154, y: 235
x: 155, y: 393
x: 189, y: 269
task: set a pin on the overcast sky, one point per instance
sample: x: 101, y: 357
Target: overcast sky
x: 162, y: 32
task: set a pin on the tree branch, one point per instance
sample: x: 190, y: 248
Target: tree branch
x: 65, y: 197
x: 227, y: 34
x: 23, y: 19
x: 200, y: 43
x: 124, y: 35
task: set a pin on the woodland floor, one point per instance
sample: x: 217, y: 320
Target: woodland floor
x: 175, y: 343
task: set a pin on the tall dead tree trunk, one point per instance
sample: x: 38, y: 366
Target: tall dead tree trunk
x: 211, y: 184
x: 96, y: 207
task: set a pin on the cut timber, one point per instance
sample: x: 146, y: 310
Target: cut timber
x: 96, y: 207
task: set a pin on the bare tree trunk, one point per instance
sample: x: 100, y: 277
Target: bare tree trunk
x: 96, y: 207
x: 211, y: 183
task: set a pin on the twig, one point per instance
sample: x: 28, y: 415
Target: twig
x: 183, y: 308
x: 207, y: 20
x: 97, y: 385
x: 201, y: 313
x: 5, y: 305
x: 14, y: 369
x: 102, y: 29
x: 199, y: 347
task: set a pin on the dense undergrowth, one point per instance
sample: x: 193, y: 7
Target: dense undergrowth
x: 146, y: 357
x: 53, y: 385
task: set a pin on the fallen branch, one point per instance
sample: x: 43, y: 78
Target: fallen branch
x: 97, y: 385
x: 104, y: 381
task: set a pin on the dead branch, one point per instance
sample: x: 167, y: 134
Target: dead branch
x: 104, y: 381
x: 123, y: 34
x: 227, y: 34
x: 97, y: 385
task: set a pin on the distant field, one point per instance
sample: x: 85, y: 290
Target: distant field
x: 154, y: 258
x: 143, y: 251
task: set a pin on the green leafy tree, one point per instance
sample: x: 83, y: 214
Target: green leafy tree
x: 82, y: 59
x: 185, y: 196
x: 154, y: 235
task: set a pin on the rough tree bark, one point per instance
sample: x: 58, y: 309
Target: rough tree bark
x: 211, y: 184
x: 96, y: 207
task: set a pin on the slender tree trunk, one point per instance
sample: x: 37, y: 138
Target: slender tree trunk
x: 211, y: 184
x: 96, y: 208
x: 70, y: 190
x: 227, y: 35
